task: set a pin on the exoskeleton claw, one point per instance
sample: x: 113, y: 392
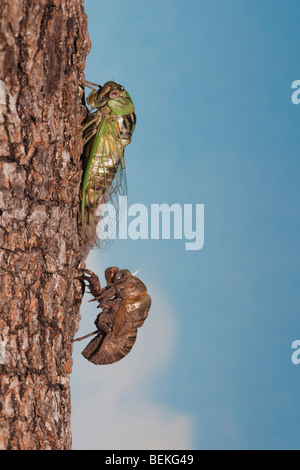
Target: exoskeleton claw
x: 93, y: 281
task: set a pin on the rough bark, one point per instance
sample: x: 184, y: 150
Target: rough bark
x: 43, y: 47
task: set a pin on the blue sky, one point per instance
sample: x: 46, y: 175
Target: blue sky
x: 211, y: 369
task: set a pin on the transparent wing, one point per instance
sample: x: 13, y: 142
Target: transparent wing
x: 102, y: 221
x: 110, y: 210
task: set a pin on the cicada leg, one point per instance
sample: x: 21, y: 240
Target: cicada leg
x: 83, y: 128
x: 88, y: 84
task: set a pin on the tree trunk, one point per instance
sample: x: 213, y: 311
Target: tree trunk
x: 43, y: 47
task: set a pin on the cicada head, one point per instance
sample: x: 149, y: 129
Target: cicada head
x: 109, y: 272
x: 112, y: 95
x: 114, y: 275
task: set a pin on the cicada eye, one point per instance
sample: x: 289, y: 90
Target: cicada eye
x: 113, y: 94
x: 120, y: 274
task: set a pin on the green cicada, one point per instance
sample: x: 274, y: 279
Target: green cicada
x: 106, y: 132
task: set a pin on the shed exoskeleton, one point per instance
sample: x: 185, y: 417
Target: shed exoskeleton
x: 125, y: 304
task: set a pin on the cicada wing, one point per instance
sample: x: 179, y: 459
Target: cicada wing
x: 103, y: 201
x: 102, y: 221
x: 110, y: 210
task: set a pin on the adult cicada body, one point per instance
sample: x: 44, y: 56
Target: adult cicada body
x: 125, y: 304
x: 106, y: 132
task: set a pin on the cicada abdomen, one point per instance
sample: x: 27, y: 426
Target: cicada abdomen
x: 107, y: 131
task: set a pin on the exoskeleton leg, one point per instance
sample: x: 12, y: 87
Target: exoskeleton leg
x: 106, y: 293
x: 93, y: 281
x: 86, y: 336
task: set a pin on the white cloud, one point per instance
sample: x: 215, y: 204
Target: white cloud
x: 112, y: 407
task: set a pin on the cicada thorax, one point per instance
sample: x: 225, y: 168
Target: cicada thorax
x: 108, y: 130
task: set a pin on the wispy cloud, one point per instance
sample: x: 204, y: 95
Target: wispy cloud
x: 112, y: 405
